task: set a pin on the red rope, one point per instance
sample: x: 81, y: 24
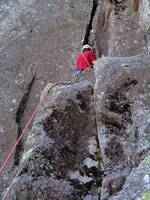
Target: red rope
x: 27, y: 125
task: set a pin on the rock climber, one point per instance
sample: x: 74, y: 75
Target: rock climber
x: 85, y: 60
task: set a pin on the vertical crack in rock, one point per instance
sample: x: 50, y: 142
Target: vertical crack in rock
x: 89, y: 25
x: 19, y: 115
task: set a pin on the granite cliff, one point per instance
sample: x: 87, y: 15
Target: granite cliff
x: 90, y: 140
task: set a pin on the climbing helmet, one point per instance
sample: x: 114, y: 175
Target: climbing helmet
x: 86, y: 46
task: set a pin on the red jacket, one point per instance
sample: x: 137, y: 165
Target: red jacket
x: 85, y: 60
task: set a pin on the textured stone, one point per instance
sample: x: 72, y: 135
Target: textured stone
x: 119, y: 32
x: 122, y: 95
x: 145, y: 20
x: 43, y: 188
x: 62, y: 146
x: 38, y: 38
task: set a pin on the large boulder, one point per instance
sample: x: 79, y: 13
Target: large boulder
x: 123, y: 121
x: 39, y: 41
x: 62, y: 158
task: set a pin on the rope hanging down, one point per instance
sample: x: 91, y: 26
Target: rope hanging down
x: 28, y: 123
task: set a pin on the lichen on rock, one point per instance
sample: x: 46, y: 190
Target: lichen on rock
x: 123, y: 124
x: 63, y: 146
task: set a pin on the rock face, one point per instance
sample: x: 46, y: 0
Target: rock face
x: 123, y: 107
x: 84, y: 144
x: 119, y: 32
x: 144, y: 17
x: 38, y: 42
x: 64, y: 159
x: 62, y: 154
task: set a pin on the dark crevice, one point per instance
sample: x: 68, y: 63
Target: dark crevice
x: 89, y: 25
x: 101, y: 164
x: 19, y: 115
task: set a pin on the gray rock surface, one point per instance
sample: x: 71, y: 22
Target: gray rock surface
x: 62, y: 148
x: 123, y: 121
x: 38, y: 38
x: 43, y: 188
x: 144, y: 17
x: 65, y: 157
x: 119, y: 32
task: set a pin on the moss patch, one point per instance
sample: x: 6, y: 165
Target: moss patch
x: 144, y: 167
x: 27, y: 154
x: 146, y: 196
